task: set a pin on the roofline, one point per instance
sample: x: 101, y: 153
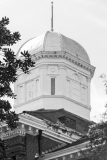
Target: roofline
x: 63, y: 152
x: 22, y: 46
x: 40, y: 124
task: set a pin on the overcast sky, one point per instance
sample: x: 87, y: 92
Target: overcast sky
x: 84, y: 21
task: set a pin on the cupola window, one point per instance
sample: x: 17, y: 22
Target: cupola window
x: 21, y: 93
x: 37, y: 87
x: 52, y: 86
x: 30, y: 90
x: 68, y: 87
x: 76, y: 87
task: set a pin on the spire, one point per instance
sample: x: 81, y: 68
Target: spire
x: 52, y: 16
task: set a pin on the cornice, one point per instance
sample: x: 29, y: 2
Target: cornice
x: 61, y: 66
x: 21, y: 130
x: 11, y: 134
x: 42, y: 66
x: 67, y: 56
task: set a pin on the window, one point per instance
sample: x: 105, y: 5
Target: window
x: 76, y: 87
x: 52, y: 86
x: 30, y: 90
x: 83, y: 93
x: 21, y: 93
x: 37, y: 87
x: 68, y: 87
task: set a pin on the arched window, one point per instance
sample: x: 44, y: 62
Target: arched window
x: 76, y: 87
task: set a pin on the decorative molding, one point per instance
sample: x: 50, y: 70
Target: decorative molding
x: 21, y: 130
x: 53, y: 70
x: 29, y: 80
x: 82, y: 84
x: 13, y: 133
x: 52, y: 96
x: 68, y: 57
x: 43, y: 66
x: 62, y: 66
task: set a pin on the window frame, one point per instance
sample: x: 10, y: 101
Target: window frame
x: 53, y: 87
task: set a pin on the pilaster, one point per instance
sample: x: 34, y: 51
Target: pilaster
x: 88, y: 96
x: 43, y: 79
x: 62, y: 79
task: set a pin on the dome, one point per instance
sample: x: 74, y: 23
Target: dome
x: 54, y: 41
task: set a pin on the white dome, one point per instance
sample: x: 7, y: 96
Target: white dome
x: 54, y: 41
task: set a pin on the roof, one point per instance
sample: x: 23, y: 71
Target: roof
x: 54, y: 41
x: 79, y: 141
x: 54, y: 115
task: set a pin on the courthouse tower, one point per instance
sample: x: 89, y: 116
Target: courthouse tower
x: 60, y: 79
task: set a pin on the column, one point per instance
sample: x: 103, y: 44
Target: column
x: 44, y: 80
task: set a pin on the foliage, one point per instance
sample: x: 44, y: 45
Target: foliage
x: 8, y: 72
x: 97, y: 137
x: 104, y: 77
x: 60, y: 127
x: 2, y: 150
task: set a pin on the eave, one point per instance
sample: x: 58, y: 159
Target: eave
x: 71, y: 152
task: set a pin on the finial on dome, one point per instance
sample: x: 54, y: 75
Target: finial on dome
x: 52, y: 16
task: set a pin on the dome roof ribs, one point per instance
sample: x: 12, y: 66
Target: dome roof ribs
x: 54, y: 42
x: 44, y: 42
x: 61, y: 42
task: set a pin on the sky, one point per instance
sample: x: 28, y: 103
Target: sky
x: 84, y: 21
